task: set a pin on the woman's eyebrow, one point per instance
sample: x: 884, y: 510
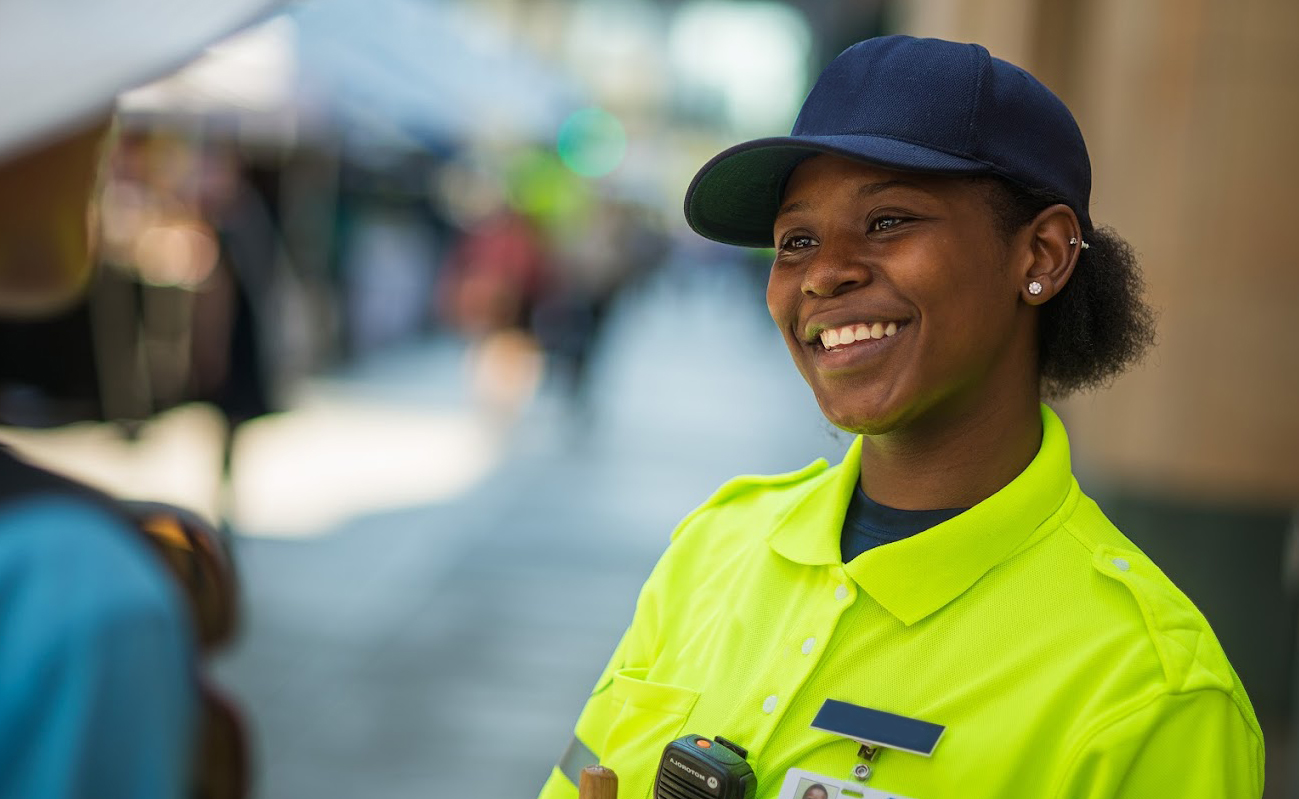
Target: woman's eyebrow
x: 788, y: 208
x: 866, y: 190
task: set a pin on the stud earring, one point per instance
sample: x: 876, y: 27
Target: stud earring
x: 1074, y: 240
x: 1035, y: 288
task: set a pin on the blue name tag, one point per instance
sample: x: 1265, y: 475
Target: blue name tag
x: 877, y: 728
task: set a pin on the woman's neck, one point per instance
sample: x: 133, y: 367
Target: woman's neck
x: 955, y: 462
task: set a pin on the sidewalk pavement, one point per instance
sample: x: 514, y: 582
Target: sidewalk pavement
x: 444, y: 649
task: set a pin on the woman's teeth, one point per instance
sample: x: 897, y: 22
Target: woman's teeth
x: 842, y: 336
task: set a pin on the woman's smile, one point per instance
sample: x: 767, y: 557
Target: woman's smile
x: 853, y: 345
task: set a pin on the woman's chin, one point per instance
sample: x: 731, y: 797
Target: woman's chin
x: 862, y: 421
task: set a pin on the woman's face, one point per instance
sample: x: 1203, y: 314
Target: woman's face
x: 815, y: 792
x: 898, y: 296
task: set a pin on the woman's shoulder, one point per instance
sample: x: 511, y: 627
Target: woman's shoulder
x: 1182, y: 639
x: 752, y: 501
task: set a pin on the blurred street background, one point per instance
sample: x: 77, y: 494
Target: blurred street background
x: 399, y: 294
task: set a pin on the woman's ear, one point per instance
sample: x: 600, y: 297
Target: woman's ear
x: 1053, y: 241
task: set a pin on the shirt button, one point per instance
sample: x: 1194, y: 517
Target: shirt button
x: 808, y: 645
x: 841, y: 592
x: 1121, y: 564
x: 769, y: 704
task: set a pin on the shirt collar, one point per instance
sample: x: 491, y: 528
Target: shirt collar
x: 916, y: 576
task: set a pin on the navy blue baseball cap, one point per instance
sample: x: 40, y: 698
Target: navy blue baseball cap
x: 915, y: 105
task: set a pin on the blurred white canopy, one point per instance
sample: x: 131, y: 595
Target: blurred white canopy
x: 249, y: 80
x: 371, y: 70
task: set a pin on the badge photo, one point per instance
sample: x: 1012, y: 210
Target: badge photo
x: 802, y: 784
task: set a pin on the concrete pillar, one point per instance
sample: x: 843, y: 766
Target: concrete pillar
x: 1190, y: 108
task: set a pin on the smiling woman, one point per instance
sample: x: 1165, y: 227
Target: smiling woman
x: 867, y: 248
x: 937, y: 273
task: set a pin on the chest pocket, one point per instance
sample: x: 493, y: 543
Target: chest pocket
x: 646, y: 716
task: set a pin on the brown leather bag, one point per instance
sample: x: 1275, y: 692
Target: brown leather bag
x: 194, y: 553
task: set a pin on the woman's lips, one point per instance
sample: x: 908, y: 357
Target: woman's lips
x: 846, y: 346
x: 844, y: 335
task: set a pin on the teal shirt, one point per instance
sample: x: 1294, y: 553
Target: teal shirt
x: 96, y: 660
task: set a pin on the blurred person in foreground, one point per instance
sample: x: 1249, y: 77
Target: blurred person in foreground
x: 97, y: 691
x: 936, y: 275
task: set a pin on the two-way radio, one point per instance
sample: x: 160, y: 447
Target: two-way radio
x: 696, y: 767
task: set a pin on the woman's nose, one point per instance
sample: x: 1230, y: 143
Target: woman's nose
x: 832, y: 274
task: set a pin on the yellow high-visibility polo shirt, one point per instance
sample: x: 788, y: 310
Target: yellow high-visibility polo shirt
x: 1061, y: 660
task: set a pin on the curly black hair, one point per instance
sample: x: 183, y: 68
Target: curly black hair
x: 1099, y: 323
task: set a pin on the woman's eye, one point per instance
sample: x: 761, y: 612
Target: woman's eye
x: 885, y: 223
x: 797, y: 243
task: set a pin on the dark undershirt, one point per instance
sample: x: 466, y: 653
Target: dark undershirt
x: 869, y: 524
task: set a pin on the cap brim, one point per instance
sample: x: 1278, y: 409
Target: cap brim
x: 734, y: 197
x: 63, y: 64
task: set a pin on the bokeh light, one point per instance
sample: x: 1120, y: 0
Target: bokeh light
x: 748, y: 59
x: 592, y: 142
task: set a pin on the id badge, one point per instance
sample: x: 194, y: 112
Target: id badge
x: 800, y: 784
